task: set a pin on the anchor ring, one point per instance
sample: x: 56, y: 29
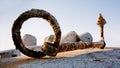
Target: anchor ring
x: 16, y: 34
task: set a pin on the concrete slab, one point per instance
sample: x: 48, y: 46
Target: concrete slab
x: 86, y: 58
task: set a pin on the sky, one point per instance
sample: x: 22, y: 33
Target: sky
x: 72, y: 15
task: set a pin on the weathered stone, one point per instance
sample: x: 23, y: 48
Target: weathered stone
x: 29, y: 40
x: 49, y: 38
x: 70, y: 37
x: 35, y: 48
x: 9, y: 53
x: 86, y: 58
x: 86, y: 37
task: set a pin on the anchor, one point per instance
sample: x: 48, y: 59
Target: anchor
x: 51, y: 48
x: 30, y: 14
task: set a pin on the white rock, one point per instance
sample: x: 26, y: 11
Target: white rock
x: 70, y: 37
x: 49, y: 38
x: 10, y: 53
x: 29, y: 40
x: 86, y: 37
x: 35, y: 48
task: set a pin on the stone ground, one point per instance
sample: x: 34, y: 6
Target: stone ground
x: 86, y: 58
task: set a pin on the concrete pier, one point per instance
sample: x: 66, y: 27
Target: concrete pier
x: 85, y: 58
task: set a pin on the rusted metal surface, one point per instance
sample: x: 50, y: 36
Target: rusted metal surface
x: 101, y: 22
x: 51, y: 48
x: 16, y: 34
x: 80, y: 45
x: 52, y: 51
